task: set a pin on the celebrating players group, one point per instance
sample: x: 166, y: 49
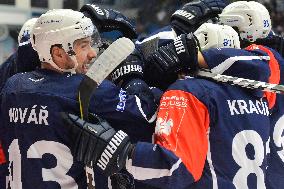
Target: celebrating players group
x: 156, y: 121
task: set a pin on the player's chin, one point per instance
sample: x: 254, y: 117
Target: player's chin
x: 84, y: 68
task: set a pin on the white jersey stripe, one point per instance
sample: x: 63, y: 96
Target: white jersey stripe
x: 209, y: 159
x: 153, y: 118
x: 141, y: 173
x: 230, y: 61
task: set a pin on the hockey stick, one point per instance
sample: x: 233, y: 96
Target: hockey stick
x: 242, y: 82
x: 100, y: 69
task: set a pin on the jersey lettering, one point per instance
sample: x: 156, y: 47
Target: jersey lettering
x: 248, y: 107
x: 36, y: 115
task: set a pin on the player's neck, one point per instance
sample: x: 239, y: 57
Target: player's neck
x: 45, y: 65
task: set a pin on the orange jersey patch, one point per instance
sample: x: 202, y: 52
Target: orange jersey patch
x: 181, y: 127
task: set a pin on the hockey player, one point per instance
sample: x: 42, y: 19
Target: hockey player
x: 24, y: 59
x: 14, y: 64
x: 108, y: 20
x: 34, y: 139
x: 252, y: 20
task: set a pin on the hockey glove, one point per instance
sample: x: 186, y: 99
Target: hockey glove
x: 108, y: 20
x: 163, y: 66
x: 193, y: 14
x: 98, y: 142
x: 275, y: 42
x: 131, y: 68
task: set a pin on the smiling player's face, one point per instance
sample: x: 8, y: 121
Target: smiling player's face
x: 84, y: 54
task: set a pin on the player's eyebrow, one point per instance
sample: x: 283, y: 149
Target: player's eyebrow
x: 85, y: 41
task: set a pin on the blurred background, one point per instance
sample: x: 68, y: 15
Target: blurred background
x: 148, y: 15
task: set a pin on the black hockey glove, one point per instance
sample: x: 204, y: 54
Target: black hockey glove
x: 193, y: 14
x: 108, y: 20
x: 98, y: 143
x: 131, y: 68
x: 275, y: 42
x: 163, y: 66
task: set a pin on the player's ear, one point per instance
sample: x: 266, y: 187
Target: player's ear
x: 57, y: 53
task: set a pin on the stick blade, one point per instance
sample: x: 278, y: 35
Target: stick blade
x: 118, y: 51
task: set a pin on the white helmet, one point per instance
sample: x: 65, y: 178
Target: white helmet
x: 60, y: 27
x: 251, y: 18
x: 26, y: 29
x: 217, y: 36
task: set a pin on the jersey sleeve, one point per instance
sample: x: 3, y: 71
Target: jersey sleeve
x: 114, y: 103
x: 181, y: 143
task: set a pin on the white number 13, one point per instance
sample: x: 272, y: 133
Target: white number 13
x: 36, y: 150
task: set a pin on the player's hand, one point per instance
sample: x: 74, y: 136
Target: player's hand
x: 163, y: 66
x: 131, y: 68
x: 193, y: 14
x: 98, y: 143
x: 108, y: 20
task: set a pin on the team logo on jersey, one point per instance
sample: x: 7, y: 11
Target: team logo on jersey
x: 173, y: 101
x: 164, y: 126
x: 171, y: 114
x: 36, y: 80
x: 35, y: 115
x: 122, y: 101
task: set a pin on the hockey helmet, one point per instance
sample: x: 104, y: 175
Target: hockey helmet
x: 60, y: 27
x: 217, y: 36
x: 251, y: 19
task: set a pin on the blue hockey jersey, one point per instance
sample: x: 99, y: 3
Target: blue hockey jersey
x: 276, y: 164
x: 275, y: 169
x: 34, y: 139
x: 208, y: 135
